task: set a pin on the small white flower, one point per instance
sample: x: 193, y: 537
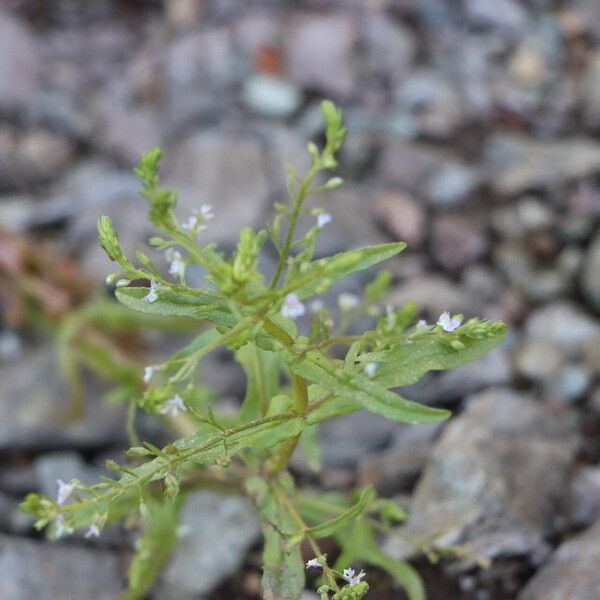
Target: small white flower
x: 323, y: 219
x: 370, y: 369
x: 352, y: 578
x: 93, y: 531
x: 151, y: 296
x: 173, y: 406
x: 148, y: 373
x: 206, y: 212
x: 177, y: 266
x: 348, y: 301
x: 292, y: 306
x: 64, y: 491
x: 447, y: 323
x: 314, y: 562
x: 61, y: 528
x: 191, y: 223
x: 422, y: 323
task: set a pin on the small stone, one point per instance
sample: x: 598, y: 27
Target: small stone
x: 451, y: 185
x: 271, y: 96
x: 590, y: 276
x: 584, y: 499
x: 457, y: 241
x: 570, y: 384
x: 505, y: 16
x: 538, y: 360
x: 404, y: 217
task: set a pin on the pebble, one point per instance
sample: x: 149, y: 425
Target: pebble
x: 403, y: 216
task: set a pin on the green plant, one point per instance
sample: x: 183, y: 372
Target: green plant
x: 294, y: 382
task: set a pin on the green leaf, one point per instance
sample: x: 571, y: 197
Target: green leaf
x: 322, y: 273
x: 330, y: 527
x: 358, y: 388
x: 153, y: 548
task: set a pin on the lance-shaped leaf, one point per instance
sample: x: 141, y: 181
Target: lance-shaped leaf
x: 332, y: 525
x: 322, y: 273
x: 313, y: 367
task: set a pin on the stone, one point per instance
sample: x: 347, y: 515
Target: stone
x: 34, y: 401
x: 19, y: 62
x: 271, y: 96
x: 590, y: 91
x: 493, y: 480
x: 564, y: 325
x: 227, y: 170
x: 590, y: 275
x: 570, y: 384
x: 451, y: 185
x: 504, y: 16
x: 457, y: 241
x: 572, y: 571
x: 516, y: 164
x: 219, y: 531
x: 46, y: 571
x: 538, y: 360
x: 584, y: 498
x: 319, y: 51
x: 402, y: 216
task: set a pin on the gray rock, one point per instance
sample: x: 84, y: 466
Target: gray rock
x: 590, y: 92
x: 19, y: 62
x: 218, y: 532
x: 538, y: 360
x: 571, y: 383
x: 493, y: 479
x: 226, y: 170
x: 517, y: 164
x: 572, y: 571
x: 451, y: 185
x: 48, y: 571
x: 457, y: 241
x: 590, y: 276
x: 12, y: 519
x: 563, y: 325
x: 505, y: 16
x: 34, y: 401
x: 584, y: 498
x: 271, y: 96
x: 319, y: 49
x: 402, y: 216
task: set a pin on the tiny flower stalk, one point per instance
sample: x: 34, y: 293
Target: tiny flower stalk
x: 302, y: 367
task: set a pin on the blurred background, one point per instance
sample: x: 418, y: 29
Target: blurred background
x: 474, y: 137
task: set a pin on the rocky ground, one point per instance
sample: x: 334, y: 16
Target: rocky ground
x: 474, y: 136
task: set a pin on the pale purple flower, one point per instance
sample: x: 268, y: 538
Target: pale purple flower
x: 177, y: 266
x: 370, y: 369
x: 148, y: 373
x: 315, y: 563
x: 206, y: 212
x: 292, y: 306
x: 151, y: 296
x: 323, y: 219
x: 173, y: 406
x: 191, y: 223
x: 352, y: 578
x: 64, y: 491
x: 93, y: 531
x: 348, y: 301
x: 61, y: 528
x: 448, y: 323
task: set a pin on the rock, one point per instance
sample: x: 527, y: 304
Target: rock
x: 12, y: 519
x: 34, y: 401
x: 563, y: 325
x: 435, y: 294
x: 493, y: 479
x: 319, y: 52
x: 590, y: 92
x: 46, y: 571
x: 590, y: 276
x: 397, y: 468
x: 584, y: 498
x: 569, y: 384
x: 345, y: 440
x: 507, y: 17
x: 572, y: 571
x: 402, y: 216
x: 516, y: 164
x: 271, y: 96
x: 451, y: 185
x: 432, y: 102
x: 219, y: 531
x: 19, y: 62
x: 457, y: 241
x: 538, y: 360
x: 226, y: 170
x: 482, y: 281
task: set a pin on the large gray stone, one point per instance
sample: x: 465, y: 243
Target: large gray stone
x: 572, y: 572
x: 493, y: 479
x: 218, y: 531
x: 48, y: 571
